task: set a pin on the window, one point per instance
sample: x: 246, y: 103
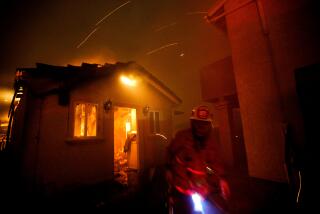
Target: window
x: 154, y: 119
x: 85, y: 120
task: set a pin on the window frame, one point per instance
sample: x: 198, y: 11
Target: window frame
x: 72, y: 133
x: 154, y: 125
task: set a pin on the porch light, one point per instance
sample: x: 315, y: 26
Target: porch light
x: 107, y: 105
x: 128, y: 81
x: 146, y: 110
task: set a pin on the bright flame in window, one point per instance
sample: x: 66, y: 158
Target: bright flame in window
x: 128, y: 81
x: 92, y: 120
x: 85, y: 123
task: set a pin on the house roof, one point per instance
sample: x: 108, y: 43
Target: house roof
x: 71, y: 76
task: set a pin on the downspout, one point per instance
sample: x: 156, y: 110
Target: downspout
x: 211, y: 18
x: 262, y: 17
x: 265, y: 30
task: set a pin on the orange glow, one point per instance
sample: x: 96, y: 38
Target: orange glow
x: 134, y: 120
x: 95, y: 59
x: 128, y: 127
x: 125, y: 122
x: 4, y: 124
x: 92, y: 121
x: 79, y: 124
x: 6, y: 95
x: 128, y: 81
x: 85, y: 123
x: 4, y: 116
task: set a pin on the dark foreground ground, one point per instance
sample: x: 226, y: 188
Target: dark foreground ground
x: 249, y: 195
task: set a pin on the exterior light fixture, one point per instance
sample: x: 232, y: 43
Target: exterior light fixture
x: 146, y: 110
x: 107, y: 105
x: 129, y: 81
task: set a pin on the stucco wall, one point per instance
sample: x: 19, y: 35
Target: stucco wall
x: 267, y: 46
x: 294, y: 38
x: 257, y: 92
x: 217, y: 80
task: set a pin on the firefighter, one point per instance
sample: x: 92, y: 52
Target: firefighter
x: 193, y: 159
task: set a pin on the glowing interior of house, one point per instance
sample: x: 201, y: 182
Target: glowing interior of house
x: 125, y: 123
x: 85, y: 120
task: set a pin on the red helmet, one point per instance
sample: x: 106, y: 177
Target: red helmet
x: 201, y: 113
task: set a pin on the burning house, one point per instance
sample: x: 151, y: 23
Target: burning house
x: 71, y: 123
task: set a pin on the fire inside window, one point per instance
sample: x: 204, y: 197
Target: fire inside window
x: 85, y: 122
x: 154, y: 122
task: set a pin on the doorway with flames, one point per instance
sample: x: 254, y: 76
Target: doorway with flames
x: 126, y: 146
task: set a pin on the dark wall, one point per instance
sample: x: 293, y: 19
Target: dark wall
x: 308, y: 89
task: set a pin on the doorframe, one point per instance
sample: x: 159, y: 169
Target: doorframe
x: 130, y: 106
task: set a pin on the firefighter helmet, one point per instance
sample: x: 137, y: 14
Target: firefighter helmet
x: 201, y: 113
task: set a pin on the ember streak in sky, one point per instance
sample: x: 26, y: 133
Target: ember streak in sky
x: 110, y: 13
x: 165, y: 26
x: 162, y: 47
x: 85, y: 39
x: 149, y: 32
x: 100, y: 21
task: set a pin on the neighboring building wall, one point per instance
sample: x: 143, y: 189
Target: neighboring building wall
x: 269, y: 39
x: 217, y: 80
x: 217, y: 86
x: 222, y: 109
x: 294, y: 37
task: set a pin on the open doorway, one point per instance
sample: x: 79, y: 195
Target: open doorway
x: 125, y: 150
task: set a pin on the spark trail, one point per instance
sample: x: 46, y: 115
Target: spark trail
x: 162, y: 47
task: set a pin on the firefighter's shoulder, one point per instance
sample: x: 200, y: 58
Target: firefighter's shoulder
x: 183, y: 133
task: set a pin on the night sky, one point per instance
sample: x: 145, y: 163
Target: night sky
x: 53, y: 31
